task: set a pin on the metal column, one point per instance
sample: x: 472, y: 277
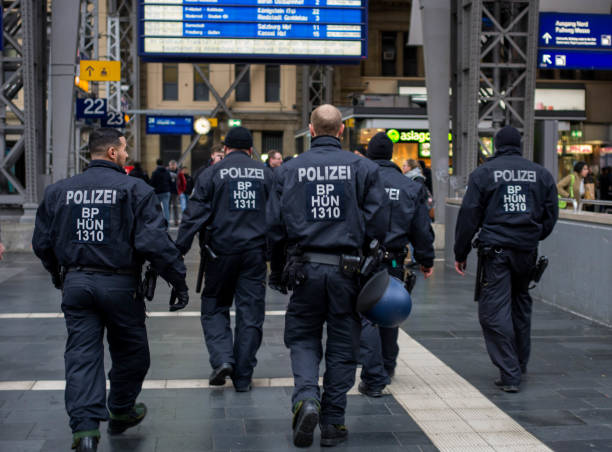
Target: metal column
x: 63, y: 53
x: 436, y: 42
x: 494, y: 69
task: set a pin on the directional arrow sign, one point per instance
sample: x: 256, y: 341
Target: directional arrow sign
x: 546, y: 59
x: 547, y: 37
x: 100, y: 71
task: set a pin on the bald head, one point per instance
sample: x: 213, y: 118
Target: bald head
x: 326, y: 120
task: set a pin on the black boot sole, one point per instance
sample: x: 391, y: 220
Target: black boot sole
x: 219, y: 379
x: 331, y: 442
x: 303, y: 432
x: 118, y: 427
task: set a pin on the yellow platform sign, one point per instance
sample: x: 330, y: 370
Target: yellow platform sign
x: 100, y: 71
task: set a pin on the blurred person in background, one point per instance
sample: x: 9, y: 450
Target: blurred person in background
x: 140, y: 173
x: 275, y: 159
x: 572, y: 185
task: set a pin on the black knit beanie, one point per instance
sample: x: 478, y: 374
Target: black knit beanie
x: 508, y: 136
x: 380, y: 147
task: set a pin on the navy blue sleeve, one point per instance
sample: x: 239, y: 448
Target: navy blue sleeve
x: 42, y: 242
x: 151, y: 240
x: 274, y: 215
x: 469, y: 219
x: 198, y: 213
x: 376, y: 207
x: 551, y: 207
x: 421, y: 232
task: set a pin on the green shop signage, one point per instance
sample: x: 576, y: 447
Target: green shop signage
x: 411, y: 136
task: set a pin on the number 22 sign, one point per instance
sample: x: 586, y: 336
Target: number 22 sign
x: 90, y: 108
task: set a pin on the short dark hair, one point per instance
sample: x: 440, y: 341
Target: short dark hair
x: 578, y: 166
x: 103, y: 138
x: 274, y: 152
x: 160, y: 162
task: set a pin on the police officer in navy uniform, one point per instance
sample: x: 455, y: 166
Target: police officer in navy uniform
x: 97, y: 228
x: 513, y: 202
x: 229, y: 199
x: 323, y: 206
x: 409, y: 223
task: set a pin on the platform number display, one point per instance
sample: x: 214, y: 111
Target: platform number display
x: 114, y: 120
x: 91, y: 108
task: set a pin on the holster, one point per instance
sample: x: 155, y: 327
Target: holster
x: 483, y: 253
x: 206, y: 253
x: 293, y: 273
x: 538, y: 269
x: 146, y: 288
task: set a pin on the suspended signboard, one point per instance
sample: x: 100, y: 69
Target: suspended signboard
x: 174, y: 125
x: 292, y: 31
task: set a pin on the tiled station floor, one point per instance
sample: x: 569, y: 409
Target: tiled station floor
x: 442, y: 398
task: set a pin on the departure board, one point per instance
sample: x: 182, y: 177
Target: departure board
x: 306, y: 31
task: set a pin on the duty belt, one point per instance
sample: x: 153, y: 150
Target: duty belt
x: 115, y: 271
x: 322, y: 258
x: 394, y: 255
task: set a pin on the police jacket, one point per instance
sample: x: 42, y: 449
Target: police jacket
x: 161, y: 180
x: 328, y: 200
x: 230, y: 198
x: 104, y: 218
x: 511, y: 199
x: 409, y: 220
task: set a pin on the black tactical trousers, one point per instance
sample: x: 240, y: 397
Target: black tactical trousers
x: 504, y: 310
x: 327, y: 296
x: 92, y: 302
x: 378, y: 347
x: 239, y: 277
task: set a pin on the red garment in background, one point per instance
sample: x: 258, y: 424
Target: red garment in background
x: 181, y: 182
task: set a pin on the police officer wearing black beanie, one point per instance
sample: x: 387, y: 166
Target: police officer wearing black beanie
x: 512, y: 203
x: 229, y: 199
x: 409, y: 223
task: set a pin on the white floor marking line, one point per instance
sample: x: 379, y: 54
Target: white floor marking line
x: 451, y: 412
x: 52, y: 315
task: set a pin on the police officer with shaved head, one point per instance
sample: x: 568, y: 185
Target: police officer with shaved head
x: 324, y: 205
x: 93, y: 232
x: 512, y: 203
x: 409, y: 223
x: 229, y: 199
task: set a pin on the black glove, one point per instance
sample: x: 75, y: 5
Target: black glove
x: 178, y: 300
x: 274, y: 281
x: 293, y: 274
x: 56, y: 278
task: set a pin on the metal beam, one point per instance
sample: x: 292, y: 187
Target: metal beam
x: 494, y: 68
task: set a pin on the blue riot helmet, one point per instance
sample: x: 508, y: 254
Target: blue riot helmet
x: 384, y: 301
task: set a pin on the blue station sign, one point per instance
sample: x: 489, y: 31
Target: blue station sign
x: 565, y: 30
x: 170, y: 125
x: 574, y: 59
x: 253, y: 30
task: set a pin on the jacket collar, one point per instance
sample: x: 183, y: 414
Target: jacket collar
x: 105, y: 164
x: 387, y: 164
x: 507, y: 150
x: 325, y: 140
x: 235, y: 153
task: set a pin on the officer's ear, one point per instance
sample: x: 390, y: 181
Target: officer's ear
x: 341, y: 131
x: 250, y: 151
x: 111, y: 153
x: 312, y: 130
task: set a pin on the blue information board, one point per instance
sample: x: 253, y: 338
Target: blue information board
x: 91, y: 108
x: 171, y: 125
x: 574, y: 59
x: 253, y: 30
x: 565, y: 30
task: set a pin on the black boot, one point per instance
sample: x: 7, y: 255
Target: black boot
x: 119, y: 423
x: 218, y: 375
x: 86, y: 441
x: 333, y: 434
x: 305, y: 419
